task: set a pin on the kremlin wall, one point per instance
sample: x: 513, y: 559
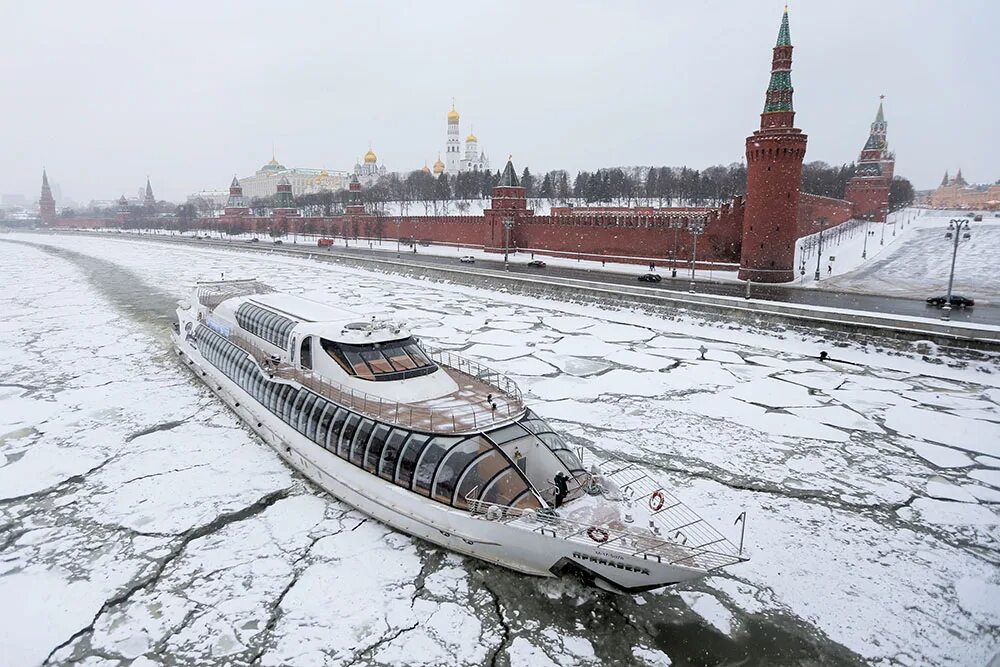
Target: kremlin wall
x: 756, y: 234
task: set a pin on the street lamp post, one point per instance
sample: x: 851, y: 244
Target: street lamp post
x: 819, y: 253
x: 696, y: 227
x: 675, y: 224
x: 864, y: 251
x: 957, y: 229
x: 507, y: 224
x: 885, y: 221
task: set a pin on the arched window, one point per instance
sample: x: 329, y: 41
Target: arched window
x: 305, y: 353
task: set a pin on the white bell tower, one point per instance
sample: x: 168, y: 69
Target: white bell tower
x: 453, y: 156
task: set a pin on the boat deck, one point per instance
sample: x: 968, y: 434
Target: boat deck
x: 467, y: 409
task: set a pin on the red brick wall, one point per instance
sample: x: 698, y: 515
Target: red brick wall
x: 813, y: 209
x: 870, y: 196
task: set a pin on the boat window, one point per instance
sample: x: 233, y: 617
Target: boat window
x: 264, y: 324
x: 331, y: 437
x: 361, y: 441
x: 320, y: 421
x: 390, y: 454
x: 375, y: 445
x: 476, y: 475
x: 408, y: 459
x: 505, y: 488
x: 507, y: 433
x: 305, y: 353
x: 305, y: 412
x: 295, y: 401
x: 433, y: 453
x: 392, y: 360
x: 452, y: 466
x: 347, y: 437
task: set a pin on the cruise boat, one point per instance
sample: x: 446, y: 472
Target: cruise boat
x: 435, y: 445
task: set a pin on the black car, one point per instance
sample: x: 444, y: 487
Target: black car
x: 649, y: 277
x: 278, y: 242
x: 537, y: 263
x: 956, y: 301
x: 254, y: 241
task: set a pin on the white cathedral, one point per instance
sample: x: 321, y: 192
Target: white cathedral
x: 455, y: 162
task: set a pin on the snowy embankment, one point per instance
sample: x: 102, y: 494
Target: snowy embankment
x: 145, y: 521
x: 918, y: 265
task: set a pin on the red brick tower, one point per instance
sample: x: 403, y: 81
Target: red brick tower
x: 869, y: 189
x: 774, y: 172
x: 509, y: 203
x: 46, y: 203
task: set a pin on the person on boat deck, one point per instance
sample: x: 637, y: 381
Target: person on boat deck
x: 561, y: 481
x: 519, y: 460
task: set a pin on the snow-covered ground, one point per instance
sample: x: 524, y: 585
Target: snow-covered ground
x: 919, y: 262
x: 139, y: 522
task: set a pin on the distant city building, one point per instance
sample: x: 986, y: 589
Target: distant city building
x: 455, y: 162
x: 264, y: 183
x: 215, y: 198
x: 957, y: 193
x: 46, y: 203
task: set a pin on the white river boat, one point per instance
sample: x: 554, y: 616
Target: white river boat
x: 435, y: 445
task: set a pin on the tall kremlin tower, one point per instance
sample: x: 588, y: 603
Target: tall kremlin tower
x: 774, y: 171
x: 869, y: 189
x: 453, y: 156
x: 46, y: 203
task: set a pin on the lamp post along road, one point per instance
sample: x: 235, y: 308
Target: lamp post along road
x: 507, y: 224
x: 676, y: 225
x: 958, y: 229
x: 696, y: 227
x: 864, y: 251
x: 819, y: 253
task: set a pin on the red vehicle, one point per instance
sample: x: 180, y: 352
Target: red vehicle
x: 322, y: 243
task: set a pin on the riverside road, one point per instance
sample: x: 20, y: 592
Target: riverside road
x: 983, y: 313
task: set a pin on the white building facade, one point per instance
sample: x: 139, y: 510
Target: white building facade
x: 455, y: 161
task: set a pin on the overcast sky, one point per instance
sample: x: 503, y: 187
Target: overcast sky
x: 102, y: 94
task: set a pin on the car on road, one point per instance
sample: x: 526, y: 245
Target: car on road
x: 278, y: 241
x: 537, y: 263
x: 956, y: 301
x: 467, y: 259
x: 254, y: 241
x: 649, y: 277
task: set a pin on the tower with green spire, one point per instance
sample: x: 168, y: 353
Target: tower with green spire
x: 868, y: 190
x: 778, y: 108
x: 509, y: 204
x: 774, y: 156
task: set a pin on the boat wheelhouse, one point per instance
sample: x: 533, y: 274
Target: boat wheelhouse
x: 433, y: 444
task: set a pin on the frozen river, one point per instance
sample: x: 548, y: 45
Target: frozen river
x: 140, y: 524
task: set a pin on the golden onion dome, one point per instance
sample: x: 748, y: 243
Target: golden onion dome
x: 370, y: 157
x: 452, y: 115
x: 471, y: 138
x: 439, y: 166
x: 426, y: 169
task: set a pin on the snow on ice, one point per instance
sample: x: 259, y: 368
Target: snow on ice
x: 138, y: 518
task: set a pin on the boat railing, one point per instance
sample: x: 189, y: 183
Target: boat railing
x: 675, y: 534
x: 443, y: 419
x: 474, y: 369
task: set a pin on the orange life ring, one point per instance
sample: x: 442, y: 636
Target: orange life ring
x: 656, y: 500
x: 597, y: 534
